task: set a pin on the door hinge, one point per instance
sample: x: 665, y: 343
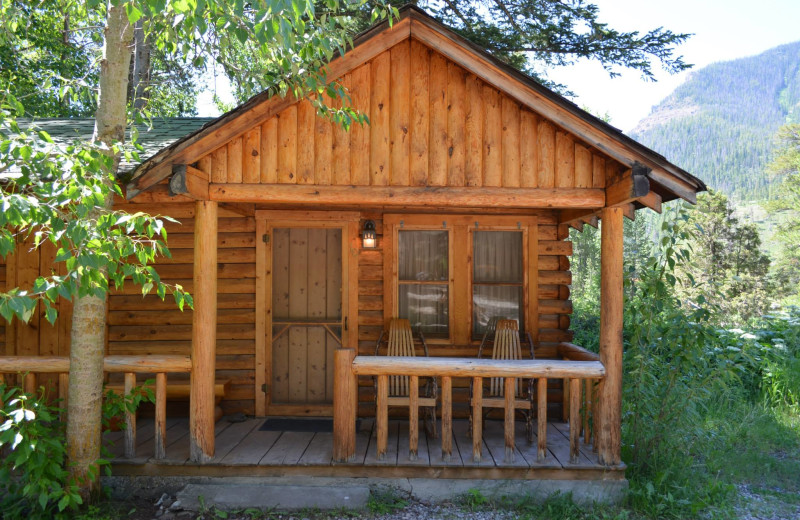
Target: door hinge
x: 265, y: 388
x: 265, y: 238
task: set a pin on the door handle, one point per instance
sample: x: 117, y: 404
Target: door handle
x: 345, y: 323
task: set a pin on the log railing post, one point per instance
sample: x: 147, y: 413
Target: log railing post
x: 63, y: 394
x: 161, y: 416
x: 587, y: 410
x: 29, y: 383
x: 541, y: 418
x: 413, y: 417
x: 477, y: 418
x: 130, y: 418
x: 447, y: 418
x: 382, y: 415
x: 595, y: 396
x: 509, y: 392
x: 204, y: 333
x: 345, y: 388
x: 611, y: 305
x: 574, y: 419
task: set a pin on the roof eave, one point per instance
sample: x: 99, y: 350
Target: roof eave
x: 663, y: 173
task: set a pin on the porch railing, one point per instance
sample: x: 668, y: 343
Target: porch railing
x: 128, y: 365
x: 348, y: 367
x: 571, y: 352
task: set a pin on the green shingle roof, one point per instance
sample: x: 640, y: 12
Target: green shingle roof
x: 164, y: 132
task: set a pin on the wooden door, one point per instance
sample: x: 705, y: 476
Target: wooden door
x: 306, y: 316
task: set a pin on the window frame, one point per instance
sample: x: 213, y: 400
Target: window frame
x: 460, y: 273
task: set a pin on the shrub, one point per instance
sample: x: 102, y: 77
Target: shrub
x: 33, y: 478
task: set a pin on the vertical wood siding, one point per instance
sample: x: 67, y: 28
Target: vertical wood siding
x: 432, y: 123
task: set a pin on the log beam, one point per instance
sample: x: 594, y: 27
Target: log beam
x: 204, y: 333
x: 444, y: 196
x: 188, y: 181
x: 633, y: 185
x: 611, y: 304
x: 652, y: 200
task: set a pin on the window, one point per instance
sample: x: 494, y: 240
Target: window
x: 497, y: 278
x: 449, y: 274
x: 423, y: 280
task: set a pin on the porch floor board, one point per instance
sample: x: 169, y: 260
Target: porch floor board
x: 243, y: 444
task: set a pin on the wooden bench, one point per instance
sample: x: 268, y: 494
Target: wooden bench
x: 180, y: 391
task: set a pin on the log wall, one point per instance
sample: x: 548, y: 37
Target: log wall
x: 145, y: 325
x: 138, y: 325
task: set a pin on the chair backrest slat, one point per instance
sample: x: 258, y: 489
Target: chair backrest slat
x: 506, y: 346
x: 401, y: 343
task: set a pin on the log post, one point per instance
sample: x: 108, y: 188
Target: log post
x: 477, y: 418
x: 29, y: 383
x: 345, y: 387
x: 130, y: 418
x: 63, y: 394
x: 587, y: 411
x: 204, y: 333
x: 611, y: 305
x: 382, y: 416
x: 413, y: 417
x: 541, y: 418
x: 574, y: 419
x: 447, y: 418
x: 161, y: 415
x: 509, y: 392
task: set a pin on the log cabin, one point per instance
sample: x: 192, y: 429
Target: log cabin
x: 301, y: 241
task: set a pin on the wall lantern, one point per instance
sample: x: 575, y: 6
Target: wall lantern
x: 369, y: 238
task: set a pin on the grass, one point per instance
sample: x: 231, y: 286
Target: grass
x: 385, y: 500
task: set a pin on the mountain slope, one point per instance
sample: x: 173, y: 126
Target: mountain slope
x: 719, y: 123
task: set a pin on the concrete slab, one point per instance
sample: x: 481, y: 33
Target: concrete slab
x: 292, y: 493
x: 281, y: 495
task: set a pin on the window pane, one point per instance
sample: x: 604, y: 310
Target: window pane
x: 425, y: 306
x: 497, y: 256
x: 500, y: 301
x: 422, y: 255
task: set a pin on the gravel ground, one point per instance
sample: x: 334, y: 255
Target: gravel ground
x: 760, y: 506
x: 167, y: 508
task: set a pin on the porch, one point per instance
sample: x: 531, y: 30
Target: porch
x: 245, y: 449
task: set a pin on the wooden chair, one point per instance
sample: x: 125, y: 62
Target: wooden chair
x: 506, y: 341
x: 399, y: 341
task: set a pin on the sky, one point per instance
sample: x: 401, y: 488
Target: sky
x: 722, y: 30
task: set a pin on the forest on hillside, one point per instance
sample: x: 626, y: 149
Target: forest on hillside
x: 720, y: 123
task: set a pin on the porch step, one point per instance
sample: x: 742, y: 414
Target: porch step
x: 282, y: 494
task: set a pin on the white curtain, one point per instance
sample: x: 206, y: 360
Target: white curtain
x: 497, y: 281
x: 423, y: 257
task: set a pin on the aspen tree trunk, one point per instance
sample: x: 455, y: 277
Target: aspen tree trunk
x: 89, y: 313
x: 140, y: 77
